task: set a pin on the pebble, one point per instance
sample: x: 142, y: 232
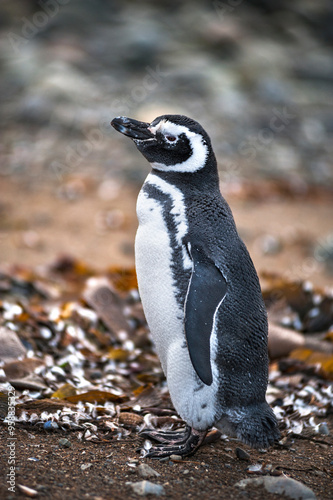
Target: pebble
x: 29, y: 492
x: 108, y: 480
x: 176, y: 457
x: 284, y: 486
x: 269, y: 244
x: 85, y: 466
x: 64, y: 443
x: 145, y: 470
x: 323, y: 429
x: 50, y: 426
x: 144, y: 488
x: 242, y: 454
x: 323, y: 252
x: 254, y: 469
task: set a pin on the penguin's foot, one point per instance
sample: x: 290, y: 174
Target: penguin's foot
x: 182, y: 443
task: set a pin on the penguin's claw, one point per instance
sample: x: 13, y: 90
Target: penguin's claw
x: 167, y: 437
x: 183, y: 443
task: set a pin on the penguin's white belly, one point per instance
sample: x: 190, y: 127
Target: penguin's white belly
x: 194, y: 401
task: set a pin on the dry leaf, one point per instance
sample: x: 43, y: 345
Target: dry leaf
x: 123, y: 279
x: 64, y: 391
x: 44, y: 405
x: 146, y: 396
x: 118, y: 354
x: 315, y: 358
x: 95, y: 397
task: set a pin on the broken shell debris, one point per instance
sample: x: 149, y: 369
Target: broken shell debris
x: 78, y: 354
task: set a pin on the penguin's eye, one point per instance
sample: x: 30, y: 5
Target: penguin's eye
x: 171, y: 138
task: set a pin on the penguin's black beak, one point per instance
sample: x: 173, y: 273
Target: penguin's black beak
x: 132, y: 128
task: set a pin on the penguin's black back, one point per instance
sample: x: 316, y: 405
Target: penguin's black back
x: 241, y: 320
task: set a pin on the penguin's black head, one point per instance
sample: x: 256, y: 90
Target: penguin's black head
x: 171, y: 143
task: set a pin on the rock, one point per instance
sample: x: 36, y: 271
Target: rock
x: 323, y: 252
x: 20, y: 369
x: 145, y: 471
x: 176, y: 457
x: 242, y: 454
x: 64, y: 443
x: 11, y: 347
x: 281, y: 341
x: 32, y: 382
x: 280, y: 486
x: 144, y: 488
x: 100, y: 295
x: 212, y: 436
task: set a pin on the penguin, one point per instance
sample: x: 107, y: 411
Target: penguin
x: 200, y: 291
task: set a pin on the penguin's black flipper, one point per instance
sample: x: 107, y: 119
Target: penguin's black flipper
x: 205, y: 293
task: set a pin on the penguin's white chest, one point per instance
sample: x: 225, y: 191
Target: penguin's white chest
x: 155, y: 251
x: 154, y: 257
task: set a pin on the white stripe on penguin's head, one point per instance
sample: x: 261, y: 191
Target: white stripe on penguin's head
x: 171, y: 131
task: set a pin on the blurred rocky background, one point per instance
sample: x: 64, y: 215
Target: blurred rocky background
x: 258, y: 75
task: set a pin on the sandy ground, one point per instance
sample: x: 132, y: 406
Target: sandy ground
x: 38, y: 223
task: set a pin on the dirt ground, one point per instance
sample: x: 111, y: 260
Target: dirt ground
x: 211, y: 473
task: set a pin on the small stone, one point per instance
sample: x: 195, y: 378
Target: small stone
x: 270, y: 245
x: 144, y: 488
x: 108, y: 480
x: 29, y: 492
x: 85, y: 466
x: 64, y: 443
x: 145, y: 470
x: 283, y: 486
x: 276, y: 472
x: 175, y: 457
x: 51, y: 426
x: 186, y: 471
x: 323, y: 429
x: 108, y: 190
x: 254, y: 469
x: 42, y: 487
x: 242, y: 454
